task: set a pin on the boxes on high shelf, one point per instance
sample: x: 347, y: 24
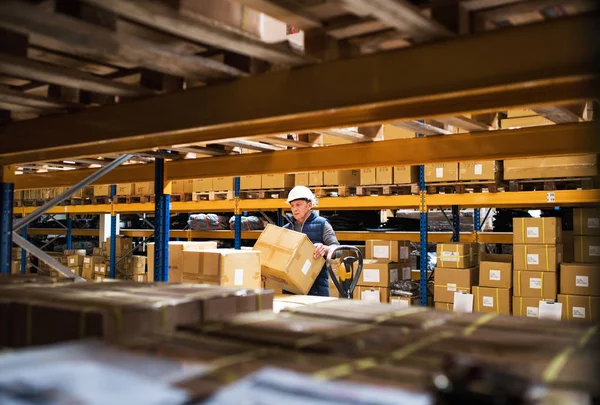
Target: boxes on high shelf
x: 394, y: 251
x: 145, y: 188
x: 126, y: 189
x: 123, y: 245
x: 102, y: 190
x: 551, y: 167
x: 277, y: 181
x: 587, y: 249
x: 580, y: 279
x: 535, y: 284
x: 537, y: 231
x: 527, y: 307
x: 378, y: 273
x: 448, y: 281
x: 202, y: 185
x: 537, y: 257
x: 495, y: 270
x: 176, y: 250
x: 368, y: 176
x: 301, y: 179
x: 479, y: 170
x: 406, y: 174
x: 286, y: 259
x: 580, y: 308
x: 375, y: 294
x: 586, y: 221
x: 341, y: 178
x: 251, y: 182
x: 494, y: 300
x: 177, y: 186
x: 457, y: 255
x: 315, y: 178
x: 224, y: 267
x: 384, y: 175
x: 441, y: 172
x: 222, y: 183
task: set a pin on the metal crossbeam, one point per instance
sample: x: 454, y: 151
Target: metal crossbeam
x: 43, y: 256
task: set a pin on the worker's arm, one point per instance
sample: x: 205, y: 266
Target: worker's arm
x: 329, y: 239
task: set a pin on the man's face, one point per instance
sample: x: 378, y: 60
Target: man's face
x: 300, y: 209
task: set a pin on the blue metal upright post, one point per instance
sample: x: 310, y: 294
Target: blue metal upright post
x: 237, y: 225
x: 113, y: 234
x: 476, y: 223
x: 455, y: 223
x: 6, y: 225
x: 162, y: 218
x: 24, y: 252
x: 280, y: 218
x: 423, y: 228
x: 70, y: 232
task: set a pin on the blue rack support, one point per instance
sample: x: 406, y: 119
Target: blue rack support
x: 24, y: 252
x: 280, y: 217
x: 6, y: 225
x: 423, y: 229
x: 113, y: 234
x: 162, y: 218
x: 237, y: 225
x: 70, y: 232
x: 455, y: 223
x: 476, y: 223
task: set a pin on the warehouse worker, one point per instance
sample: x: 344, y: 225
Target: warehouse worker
x: 319, y: 231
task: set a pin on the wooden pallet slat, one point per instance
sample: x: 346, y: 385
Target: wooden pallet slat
x: 212, y: 195
x: 566, y: 183
x: 463, y: 187
x: 388, y: 189
x: 333, y: 191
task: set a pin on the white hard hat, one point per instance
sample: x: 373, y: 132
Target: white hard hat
x: 301, y: 193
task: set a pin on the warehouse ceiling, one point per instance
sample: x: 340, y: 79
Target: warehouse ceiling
x: 63, y: 57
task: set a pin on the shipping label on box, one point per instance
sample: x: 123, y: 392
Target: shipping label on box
x: 587, y: 249
x: 537, y: 231
x: 202, y: 185
x: 495, y: 300
x: 222, y: 183
x: 537, y: 257
x: 394, y: 251
x: 406, y: 174
x: 536, y: 284
x: 301, y: 179
x: 252, y: 182
x: 527, y: 307
x: 581, y: 308
x: 367, y: 177
x: 448, y: 281
x: 586, y: 221
x: 374, y: 294
x: 580, y: 279
x: 440, y: 172
x: 378, y: 273
x: 457, y: 255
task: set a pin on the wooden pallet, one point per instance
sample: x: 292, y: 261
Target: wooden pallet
x: 77, y: 201
x: 182, y: 197
x: 568, y: 183
x: 33, y: 203
x: 213, y: 196
x: 399, y: 189
x: 132, y: 199
x: 100, y: 200
x: 262, y: 194
x: 333, y: 191
x: 463, y: 187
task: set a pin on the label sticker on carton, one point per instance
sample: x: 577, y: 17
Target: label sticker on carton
x: 439, y: 172
x: 140, y: 278
x: 488, y: 301
x: 404, y: 253
x: 381, y: 252
x: 401, y: 303
x: 533, y: 312
x: 581, y: 281
x: 495, y: 275
x: 450, y: 256
x: 406, y: 273
x: 306, y: 267
x: 463, y: 302
x: 370, y: 275
x: 87, y: 260
x: 594, y: 250
x: 579, y: 312
x: 550, y: 310
x: 370, y: 295
x: 533, y: 258
x: 535, y: 283
x: 238, y: 277
x: 97, y: 269
x: 533, y: 232
x: 393, y: 275
x: 451, y: 287
x: 593, y: 222
x: 71, y: 260
x: 478, y: 169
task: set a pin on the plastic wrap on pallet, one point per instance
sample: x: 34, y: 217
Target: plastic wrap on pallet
x: 249, y: 223
x: 208, y: 222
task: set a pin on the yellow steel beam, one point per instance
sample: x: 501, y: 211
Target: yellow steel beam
x: 61, y: 231
x: 547, y: 140
x: 540, y: 63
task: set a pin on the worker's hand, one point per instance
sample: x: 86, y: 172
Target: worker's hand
x: 320, y: 250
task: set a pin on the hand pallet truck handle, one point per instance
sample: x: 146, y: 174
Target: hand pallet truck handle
x: 355, y: 277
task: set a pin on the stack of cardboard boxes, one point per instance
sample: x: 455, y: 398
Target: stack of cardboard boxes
x: 101, y: 269
x: 15, y: 264
x: 457, y: 270
x: 389, y: 175
x: 73, y: 259
x: 537, y: 251
x: 386, y: 262
x: 580, y: 281
x: 224, y: 267
x: 494, y: 292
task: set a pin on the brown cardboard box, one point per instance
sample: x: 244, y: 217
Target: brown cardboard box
x: 75, y: 260
x: 286, y: 259
x: 587, y: 249
x: 551, y: 167
x: 495, y: 271
x: 315, y: 178
x: 202, y: 185
x: 368, y: 176
x: 15, y: 267
x: 580, y: 279
x: 495, y: 300
x: 378, y: 273
x: 188, y: 186
x: 72, y: 252
x: 536, y: 284
x: 406, y: 174
x: 580, y: 308
x: 176, y: 250
x: 404, y: 271
x: 376, y: 294
x: 77, y: 270
x: 87, y: 273
x: 126, y: 189
x: 568, y: 247
x: 448, y: 281
x: 89, y: 262
x: 537, y: 231
x: 251, y: 182
x: 138, y: 264
x: 385, y: 175
x: 405, y: 301
x: 98, y: 252
x: 277, y: 181
x: 527, y: 307
x: 479, y: 170
x: 102, y: 190
x: 457, y: 255
x: 440, y: 172
x: 123, y: 246
x: 445, y: 306
x: 586, y: 221
x: 228, y: 267
x: 99, y: 278
x: 341, y: 177
x: 394, y: 251
x: 146, y: 188
x: 537, y: 257
x: 177, y: 187
x: 100, y: 269
x: 301, y: 179
x: 222, y: 183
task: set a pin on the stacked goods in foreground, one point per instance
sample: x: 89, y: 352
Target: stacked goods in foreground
x: 457, y: 271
